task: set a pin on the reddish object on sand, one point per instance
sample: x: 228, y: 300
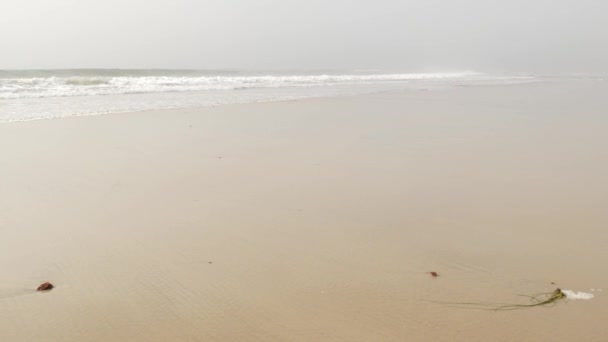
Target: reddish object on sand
x: 434, y: 274
x: 45, y: 287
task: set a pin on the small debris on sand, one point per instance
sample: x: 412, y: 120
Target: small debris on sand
x: 434, y: 274
x: 45, y: 287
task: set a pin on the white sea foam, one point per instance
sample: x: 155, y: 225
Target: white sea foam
x: 40, y: 94
x: 65, y: 85
x: 577, y: 295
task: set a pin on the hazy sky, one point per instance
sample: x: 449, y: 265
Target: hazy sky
x: 405, y: 35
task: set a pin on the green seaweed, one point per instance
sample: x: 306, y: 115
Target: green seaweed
x: 541, y: 299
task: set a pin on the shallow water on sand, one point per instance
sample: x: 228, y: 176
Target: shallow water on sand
x: 312, y: 220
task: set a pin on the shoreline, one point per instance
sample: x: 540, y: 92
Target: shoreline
x: 190, y: 108
x: 331, y: 93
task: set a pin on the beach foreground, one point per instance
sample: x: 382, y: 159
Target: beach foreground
x: 311, y: 220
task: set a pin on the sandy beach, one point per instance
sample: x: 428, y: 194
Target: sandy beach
x: 311, y: 220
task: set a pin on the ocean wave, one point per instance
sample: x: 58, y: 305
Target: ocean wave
x: 85, y: 81
x: 84, y: 85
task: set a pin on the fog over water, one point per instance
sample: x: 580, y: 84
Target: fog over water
x: 541, y: 36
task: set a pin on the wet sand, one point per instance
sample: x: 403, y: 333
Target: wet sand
x: 311, y: 220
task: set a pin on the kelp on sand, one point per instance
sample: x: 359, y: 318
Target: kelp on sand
x: 541, y: 299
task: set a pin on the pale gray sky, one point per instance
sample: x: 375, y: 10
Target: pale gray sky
x: 405, y: 35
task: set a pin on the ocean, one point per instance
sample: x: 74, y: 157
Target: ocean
x: 45, y: 94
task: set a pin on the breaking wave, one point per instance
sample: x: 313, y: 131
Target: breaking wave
x: 86, y: 81
x: 62, y: 84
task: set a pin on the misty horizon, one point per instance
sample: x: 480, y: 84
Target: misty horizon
x: 409, y: 36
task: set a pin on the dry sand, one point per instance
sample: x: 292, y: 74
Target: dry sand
x: 310, y: 220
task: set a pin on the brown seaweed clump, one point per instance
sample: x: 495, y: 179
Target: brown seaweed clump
x: 45, y: 287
